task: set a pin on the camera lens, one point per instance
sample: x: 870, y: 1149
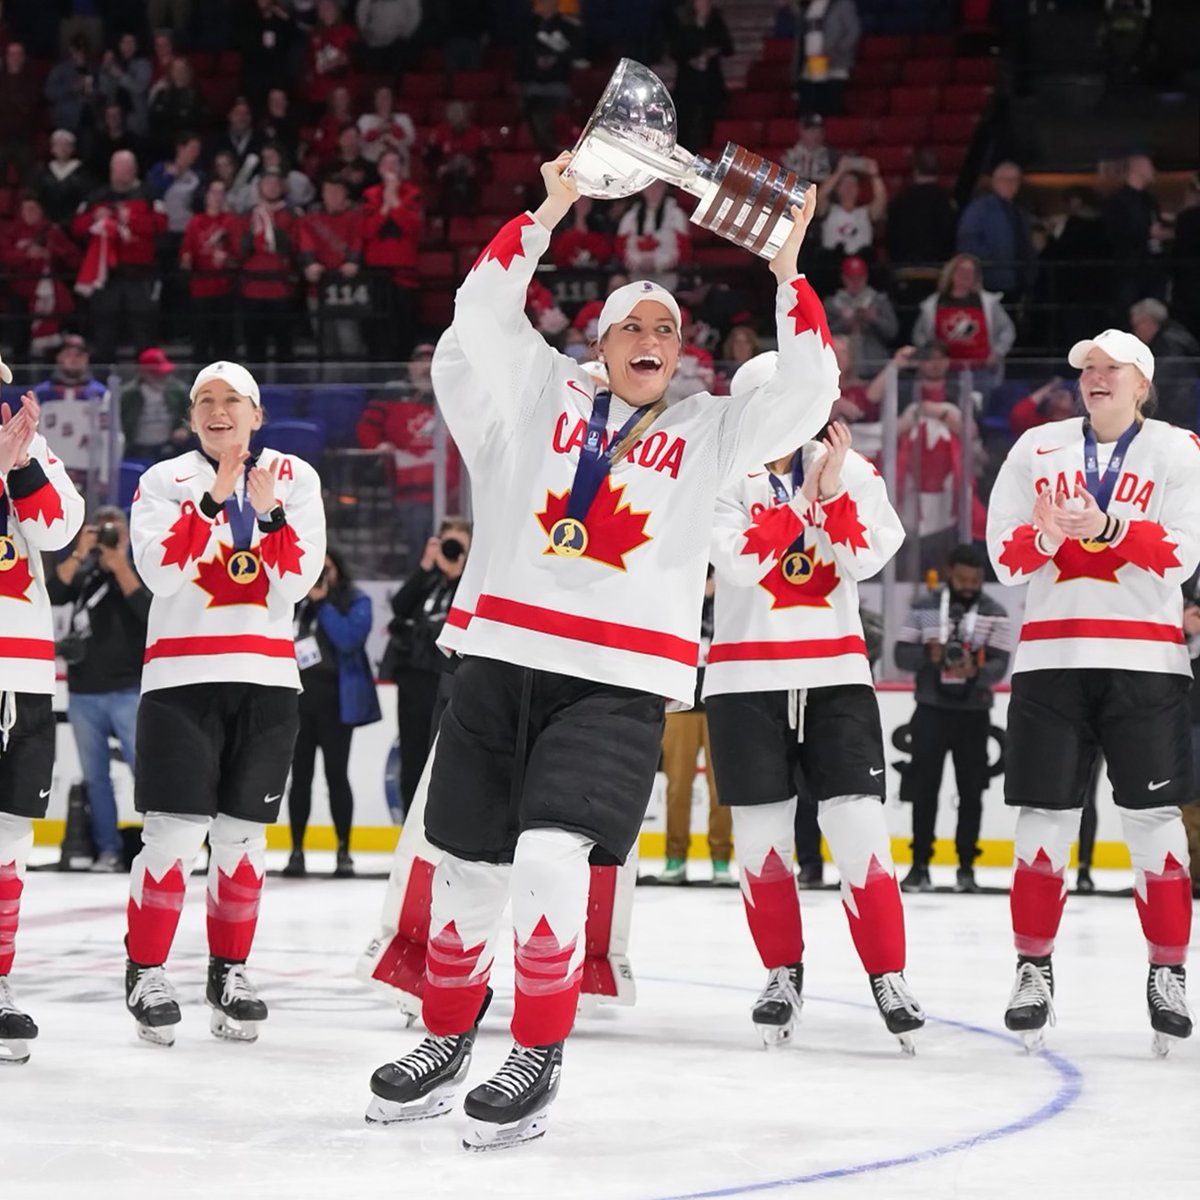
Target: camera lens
x: 108, y: 535
x: 452, y: 549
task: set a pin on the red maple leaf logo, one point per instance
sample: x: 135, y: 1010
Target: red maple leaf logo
x: 809, y: 312
x: 1145, y: 545
x: 1075, y: 561
x: 772, y: 531
x: 15, y: 582
x: 281, y: 549
x: 1163, y: 903
x: 506, y: 245
x: 818, y: 581
x: 842, y: 525
x: 213, y: 577
x: 541, y: 961
x: 613, y: 528
x: 877, y: 918
x: 448, y: 961
x: 1020, y: 554
x: 45, y: 503
x: 771, y: 905
x: 187, y: 539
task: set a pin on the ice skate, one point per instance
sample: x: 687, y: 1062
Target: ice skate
x: 17, y: 1029
x: 514, y: 1105
x: 153, y: 1003
x: 425, y: 1082
x: 1031, y: 1005
x: 778, y: 1007
x: 917, y: 879
x: 237, y: 1012
x: 899, y: 1008
x: 1170, y: 1017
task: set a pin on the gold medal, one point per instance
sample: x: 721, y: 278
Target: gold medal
x: 568, y: 538
x: 8, y: 553
x: 1092, y: 546
x: 797, y: 568
x: 244, y: 566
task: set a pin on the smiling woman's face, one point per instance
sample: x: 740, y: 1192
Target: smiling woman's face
x: 1110, y: 388
x: 222, y: 419
x: 641, y: 353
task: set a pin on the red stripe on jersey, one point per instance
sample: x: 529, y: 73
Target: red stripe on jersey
x: 246, y: 643
x: 1091, y: 627
x: 808, y: 648
x: 458, y: 617
x: 27, y: 648
x: 588, y: 629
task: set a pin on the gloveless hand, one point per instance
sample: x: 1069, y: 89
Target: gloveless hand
x: 837, y: 444
x: 16, y: 436
x: 229, y: 470
x: 784, y: 264
x: 561, y: 192
x: 260, y: 487
x: 1082, y: 523
x: 1045, y: 519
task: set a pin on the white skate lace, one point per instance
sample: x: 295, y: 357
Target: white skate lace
x: 519, y: 1072
x: 1031, y: 989
x: 153, y: 988
x: 7, y: 1003
x: 780, y: 987
x: 237, y: 986
x: 431, y: 1055
x: 1166, y: 991
x: 892, y: 993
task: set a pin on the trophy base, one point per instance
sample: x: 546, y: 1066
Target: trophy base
x: 747, y: 200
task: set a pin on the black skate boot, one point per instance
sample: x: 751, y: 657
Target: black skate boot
x: 17, y: 1029
x: 237, y: 1012
x: 1170, y: 1017
x: 900, y: 1011
x: 777, y: 1009
x: 425, y: 1082
x: 1031, y: 1005
x: 151, y: 999
x: 514, y: 1105
x: 917, y: 879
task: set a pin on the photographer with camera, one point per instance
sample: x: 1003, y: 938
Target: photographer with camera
x: 956, y: 641
x: 103, y: 649
x: 412, y: 660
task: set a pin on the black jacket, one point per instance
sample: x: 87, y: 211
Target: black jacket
x: 420, y: 608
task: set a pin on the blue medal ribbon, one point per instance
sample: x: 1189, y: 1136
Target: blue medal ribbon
x: 1101, y: 486
x: 782, y: 495
x: 596, y: 462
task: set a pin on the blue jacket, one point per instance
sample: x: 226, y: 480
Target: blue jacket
x: 998, y: 234
x: 358, y: 702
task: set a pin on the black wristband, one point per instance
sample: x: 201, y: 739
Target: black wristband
x: 209, y: 507
x: 275, y: 520
x: 24, y: 481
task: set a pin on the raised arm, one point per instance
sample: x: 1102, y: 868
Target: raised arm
x: 463, y: 399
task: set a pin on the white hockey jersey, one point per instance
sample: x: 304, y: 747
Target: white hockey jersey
x: 626, y: 610
x: 1117, y: 605
x: 40, y: 510
x: 221, y: 615
x: 784, y: 622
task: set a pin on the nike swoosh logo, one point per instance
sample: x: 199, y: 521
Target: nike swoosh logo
x: 272, y: 799
x: 876, y: 770
x: 1046, y: 449
x: 43, y: 795
x: 184, y: 478
x: 1153, y: 787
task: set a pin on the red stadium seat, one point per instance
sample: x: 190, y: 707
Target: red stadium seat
x: 966, y: 98
x: 203, y: 63
x: 229, y: 62
x: 768, y: 76
x: 8, y: 203
x: 926, y: 72
x: 893, y: 48
x: 436, y: 307
x: 952, y: 127
x: 435, y: 264
x: 464, y: 230
x: 778, y: 50
x: 914, y: 101
x: 901, y: 131
x: 588, y: 83
x: 720, y: 255
x: 218, y: 93
x: 433, y: 62
x: 891, y: 159
x: 867, y: 102
x: 476, y: 85
x: 848, y: 133
x: 782, y: 131
x: 502, y: 198
x: 879, y: 72
x: 975, y: 70
x: 514, y: 167
x: 950, y: 157
x: 933, y: 45
x: 745, y: 133
x: 756, y: 105
x: 423, y: 87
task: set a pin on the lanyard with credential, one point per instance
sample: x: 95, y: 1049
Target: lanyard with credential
x: 569, y: 536
x: 1101, y: 486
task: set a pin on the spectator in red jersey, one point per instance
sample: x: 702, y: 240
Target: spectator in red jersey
x: 853, y: 403
x: 120, y: 224
x: 268, y: 255
x: 653, y: 237
x: 1053, y: 401
x: 35, y: 251
x: 20, y: 105
x: 331, y: 252
x: 457, y: 156
x: 383, y: 129
x: 175, y: 105
x: 969, y: 322
x: 209, y: 255
x: 579, y: 245
x: 330, y: 53
x: 543, y: 312
x: 392, y: 220
x: 338, y: 114
x: 350, y: 165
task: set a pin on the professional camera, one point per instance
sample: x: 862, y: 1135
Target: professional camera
x: 108, y: 535
x: 452, y: 549
x: 955, y: 653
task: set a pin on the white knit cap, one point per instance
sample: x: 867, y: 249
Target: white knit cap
x: 1119, y: 345
x: 233, y: 374
x: 755, y: 373
x: 625, y: 299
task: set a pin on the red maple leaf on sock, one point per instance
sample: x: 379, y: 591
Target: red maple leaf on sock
x: 281, y: 549
x: 842, y: 525
x: 1020, y: 554
x: 45, y: 504
x: 506, y: 245
x: 809, y: 312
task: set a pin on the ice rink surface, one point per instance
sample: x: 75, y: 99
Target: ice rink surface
x: 672, y: 1098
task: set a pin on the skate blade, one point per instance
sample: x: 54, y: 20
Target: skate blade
x: 14, y: 1052
x: 229, y: 1029
x: 908, y: 1046
x: 774, y: 1036
x: 1034, y: 1040
x: 1162, y: 1043
x: 482, y: 1135
x: 392, y: 1112
x: 157, y: 1035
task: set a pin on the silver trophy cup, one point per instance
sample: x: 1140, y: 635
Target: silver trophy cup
x: 630, y: 141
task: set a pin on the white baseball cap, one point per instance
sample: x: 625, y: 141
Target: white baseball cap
x: 5, y: 372
x: 597, y: 370
x: 755, y: 373
x: 625, y: 299
x: 1119, y: 345
x: 233, y: 374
